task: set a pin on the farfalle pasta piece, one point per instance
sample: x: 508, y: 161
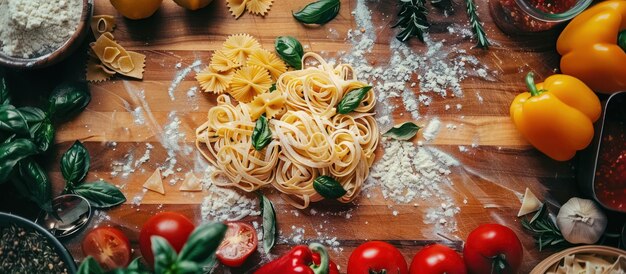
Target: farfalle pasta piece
x: 236, y: 7
x: 265, y: 59
x: 259, y: 7
x: 270, y: 103
x: 102, y: 24
x: 249, y: 82
x: 221, y: 62
x: 214, y: 81
x: 238, y: 47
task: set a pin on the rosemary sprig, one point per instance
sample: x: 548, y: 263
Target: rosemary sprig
x: 476, y: 26
x: 544, y: 230
x: 412, y: 20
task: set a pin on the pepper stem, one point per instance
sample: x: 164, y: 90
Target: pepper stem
x: 322, y: 268
x: 621, y: 40
x: 530, y: 84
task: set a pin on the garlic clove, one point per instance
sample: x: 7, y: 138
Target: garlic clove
x: 581, y: 221
x: 530, y: 203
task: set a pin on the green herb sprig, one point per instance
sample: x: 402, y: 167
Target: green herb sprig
x: 545, y: 232
x: 319, y: 12
x: 403, y: 132
x: 261, y: 134
x: 352, y: 99
x: 290, y: 50
x: 412, y: 20
x: 328, y: 187
x: 476, y: 25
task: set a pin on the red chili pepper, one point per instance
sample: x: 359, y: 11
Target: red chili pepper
x: 299, y: 260
x: 332, y: 267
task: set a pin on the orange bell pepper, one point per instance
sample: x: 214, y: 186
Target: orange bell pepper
x: 556, y: 116
x: 592, y: 47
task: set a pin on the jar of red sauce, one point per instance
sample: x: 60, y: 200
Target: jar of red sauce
x: 529, y: 16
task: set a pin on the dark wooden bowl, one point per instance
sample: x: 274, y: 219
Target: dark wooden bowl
x: 59, y: 54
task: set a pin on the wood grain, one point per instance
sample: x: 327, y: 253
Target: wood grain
x: 498, y: 166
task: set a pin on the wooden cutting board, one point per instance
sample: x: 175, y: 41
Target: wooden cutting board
x: 490, y: 177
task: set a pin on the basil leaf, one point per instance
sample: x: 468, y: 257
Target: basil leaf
x: 68, y: 100
x: 290, y: 50
x: 33, y: 182
x: 136, y: 265
x: 11, y: 120
x: 75, y: 163
x: 261, y: 135
x: 319, y: 12
x: 187, y: 267
x: 89, y: 266
x: 11, y: 153
x: 164, y: 255
x: 403, y: 132
x: 272, y: 88
x: 43, y: 136
x: 269, y: 223
x: 5, y: 98
x: 328, y: 187
x: 352, y: 99
x: 100, y: 194
x: 33, y: 115
x: 202, y: 243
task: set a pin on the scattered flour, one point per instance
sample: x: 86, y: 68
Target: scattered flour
x: 180, y: 76
x: 432, y: 129
x: 225, y: 204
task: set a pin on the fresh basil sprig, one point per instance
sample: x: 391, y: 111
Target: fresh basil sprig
x: 269, y: 223
x: 12, y: 121
x: 68, y: 100
x: 34, y: 182
x: 328, y: 187
x: 261, y: 135
x: 290, y: 50
x: 11, y: 153
x: 352, y: 99
x: 319, y: 12
x: 403, y: 132
x: 74, y: 167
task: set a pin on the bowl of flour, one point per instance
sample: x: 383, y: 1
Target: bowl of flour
x: 39, y: 33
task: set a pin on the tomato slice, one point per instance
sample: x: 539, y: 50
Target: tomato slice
x: 239, y: 243
x: 108, y: 246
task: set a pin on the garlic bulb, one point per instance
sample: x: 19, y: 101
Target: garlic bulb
x: 581, y: 221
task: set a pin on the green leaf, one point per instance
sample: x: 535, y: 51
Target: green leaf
x: 100, y: 194
x: 202, y: 243
x: 12, y: 152
x: 5, y: 98
x: 403, y: 132
x: 33, y: 182
x: 75, y: 163
x: 33, y: 114
x: 352, y: 99
x: 135, y: 267
x: 44, y: 136
x: 269, y: 223
x: 261, y: 135
x: 328, y: 187
x: 272, y: 88
x: 164, y: 255
x: 12, y: 121
x: 290, y: 50
x: 89, y: 266
x: 187, y: 267
x: 319, y: 12
x: 68, y: 100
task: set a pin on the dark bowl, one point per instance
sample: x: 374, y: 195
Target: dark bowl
x: 6, y: 218
x: 59, y: 54
x: 589, y: 157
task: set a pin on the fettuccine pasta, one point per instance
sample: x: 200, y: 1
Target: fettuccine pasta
x: 309, y: 137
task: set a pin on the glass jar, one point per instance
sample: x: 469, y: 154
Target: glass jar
x: 528, y: 16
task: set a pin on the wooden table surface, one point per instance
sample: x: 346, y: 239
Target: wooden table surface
x: 490, y: 178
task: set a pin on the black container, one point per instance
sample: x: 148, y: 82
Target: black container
x: 613, y: 108
x: 64, y: 254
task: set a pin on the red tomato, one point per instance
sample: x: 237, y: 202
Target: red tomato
x: 109, y: 246
x: 376, y: 257
x: 493, y: 245
x: 437, y: 259
x: 239, y: 243
x: 172, y: 226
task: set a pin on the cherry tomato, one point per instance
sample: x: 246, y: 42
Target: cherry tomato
x: 108, y: 246
x: 437, y: 259
x: 239, y: 243
x: 493, y: 245
x: 172, y: 226
x: 376, y: 257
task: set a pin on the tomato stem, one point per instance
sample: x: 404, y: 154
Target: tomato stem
x: 530, y: 84
x: 498, y: 264
x: 322, y: 268
x: 621, y: 40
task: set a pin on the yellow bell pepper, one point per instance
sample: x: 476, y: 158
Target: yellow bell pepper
x: 193, y: 4
x: 556, y: 116
x: 592, y: 47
